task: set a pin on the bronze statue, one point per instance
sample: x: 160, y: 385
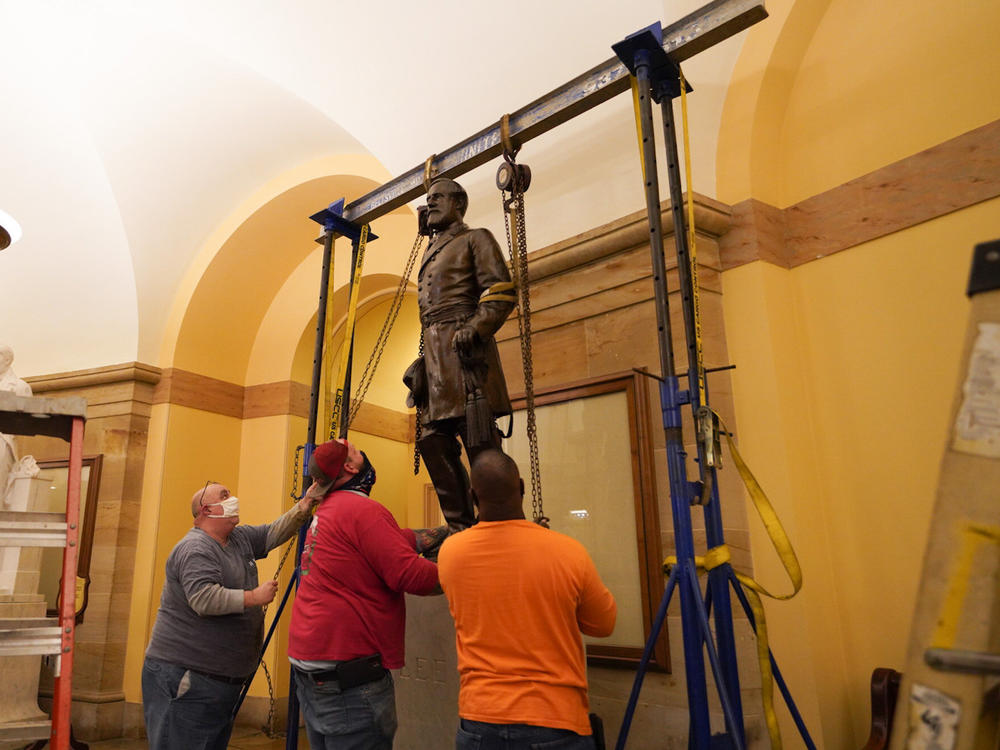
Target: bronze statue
x: 465, y: 294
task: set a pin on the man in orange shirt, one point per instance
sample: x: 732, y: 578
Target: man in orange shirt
x: 520, y: 595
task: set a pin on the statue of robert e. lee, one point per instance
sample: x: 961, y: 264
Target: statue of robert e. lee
x: 465, y: 294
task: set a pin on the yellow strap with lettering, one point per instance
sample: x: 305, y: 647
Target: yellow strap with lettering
x: 339, y: 407
x: 638, y: 122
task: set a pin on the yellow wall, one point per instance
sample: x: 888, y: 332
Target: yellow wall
x: 827, y: 90
x: 845, y: 369
x: 246, y: 314
x: 187, y: 447
x: 883, y: 80
x: 846, y: 365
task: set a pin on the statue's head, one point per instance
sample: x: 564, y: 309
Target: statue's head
x: 446, y: 203
x: 6, y: 357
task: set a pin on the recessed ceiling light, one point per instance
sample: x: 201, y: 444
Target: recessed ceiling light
x: 10, y: 230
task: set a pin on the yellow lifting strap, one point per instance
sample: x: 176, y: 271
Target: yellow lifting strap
x: 502, y: 291
x: 339, y: 409
x: 638, y: 122
x: 783, y: 546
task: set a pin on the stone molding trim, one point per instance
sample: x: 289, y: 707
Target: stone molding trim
x: 608, y: 268
x: 274, y: 399
x: 948, y: 177
x: 283, y: 398
x: 184, y: 388
x: 711, y: 218
x: 127, y: 371
x: 125, y: 388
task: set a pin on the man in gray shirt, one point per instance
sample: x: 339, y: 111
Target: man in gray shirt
x: 210, y: 625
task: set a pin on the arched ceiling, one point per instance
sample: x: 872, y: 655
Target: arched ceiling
x: 135, y: 129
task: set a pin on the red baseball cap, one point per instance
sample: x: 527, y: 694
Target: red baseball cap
x: 326, y: 463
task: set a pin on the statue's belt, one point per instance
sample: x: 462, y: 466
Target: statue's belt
x: 447, y: 314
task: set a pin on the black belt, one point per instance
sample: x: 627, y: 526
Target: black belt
x: 348, y: 674
x: 219, y: 677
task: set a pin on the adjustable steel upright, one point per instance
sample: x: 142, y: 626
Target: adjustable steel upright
x: 334, y: 225
x: 658, y: 79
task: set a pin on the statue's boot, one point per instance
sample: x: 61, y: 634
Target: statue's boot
x: 442, y: 456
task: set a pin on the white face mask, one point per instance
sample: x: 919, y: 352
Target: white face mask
x: 230, y: 507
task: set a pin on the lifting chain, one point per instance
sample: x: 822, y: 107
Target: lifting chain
x: 383, y: 337
x: 268, y: 727
x: 513, y: 180
x: 417, y: 428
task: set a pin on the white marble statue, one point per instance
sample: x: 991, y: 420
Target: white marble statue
x: 10, y: 467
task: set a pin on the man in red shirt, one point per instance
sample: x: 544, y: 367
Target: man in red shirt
x: 349, y: 618
x: 520, y: 595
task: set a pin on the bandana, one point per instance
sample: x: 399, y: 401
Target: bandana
x: 364, y: 480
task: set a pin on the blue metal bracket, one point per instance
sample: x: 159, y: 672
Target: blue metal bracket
x: 646, y: 46
x: 332, y: 220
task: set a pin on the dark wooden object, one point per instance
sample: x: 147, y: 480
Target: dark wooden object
x: 885, y: 689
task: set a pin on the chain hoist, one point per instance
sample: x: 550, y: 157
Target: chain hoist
x: 513, y: 180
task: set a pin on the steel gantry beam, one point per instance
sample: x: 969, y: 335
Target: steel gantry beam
x: 692, y: 34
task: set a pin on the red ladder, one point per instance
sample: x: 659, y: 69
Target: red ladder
x: 61, y: 418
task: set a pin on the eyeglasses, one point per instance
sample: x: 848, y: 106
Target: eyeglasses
x: 201, y: 499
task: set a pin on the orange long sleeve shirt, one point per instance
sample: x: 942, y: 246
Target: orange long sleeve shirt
x: 520, y: 596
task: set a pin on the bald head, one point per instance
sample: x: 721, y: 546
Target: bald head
x: 497, y: 486
x: 208, y: 495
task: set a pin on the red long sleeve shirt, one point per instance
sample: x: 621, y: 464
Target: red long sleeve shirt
x: 356, y: 565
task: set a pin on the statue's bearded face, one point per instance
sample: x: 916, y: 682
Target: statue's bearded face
x: 444, y: 207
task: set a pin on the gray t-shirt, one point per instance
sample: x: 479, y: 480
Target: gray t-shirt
x: 202, y: 624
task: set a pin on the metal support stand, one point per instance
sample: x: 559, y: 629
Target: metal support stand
x: 658, y: 79
x: 638, y: 53
x: 334, y: 225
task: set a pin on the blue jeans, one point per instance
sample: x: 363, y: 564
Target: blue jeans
x: 359, y: 718
x: 478, y: 735
x: 184, y: 709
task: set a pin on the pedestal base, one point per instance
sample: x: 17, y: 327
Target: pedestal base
x: 427, y: 687
x: 19, y: 686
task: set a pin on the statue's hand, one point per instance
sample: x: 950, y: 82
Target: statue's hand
x: 466, y: 342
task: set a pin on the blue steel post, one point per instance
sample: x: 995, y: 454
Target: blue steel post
x: 670, y: 403
x: 292, y: 723
x: 718, y: 578
x: 334, y: 224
